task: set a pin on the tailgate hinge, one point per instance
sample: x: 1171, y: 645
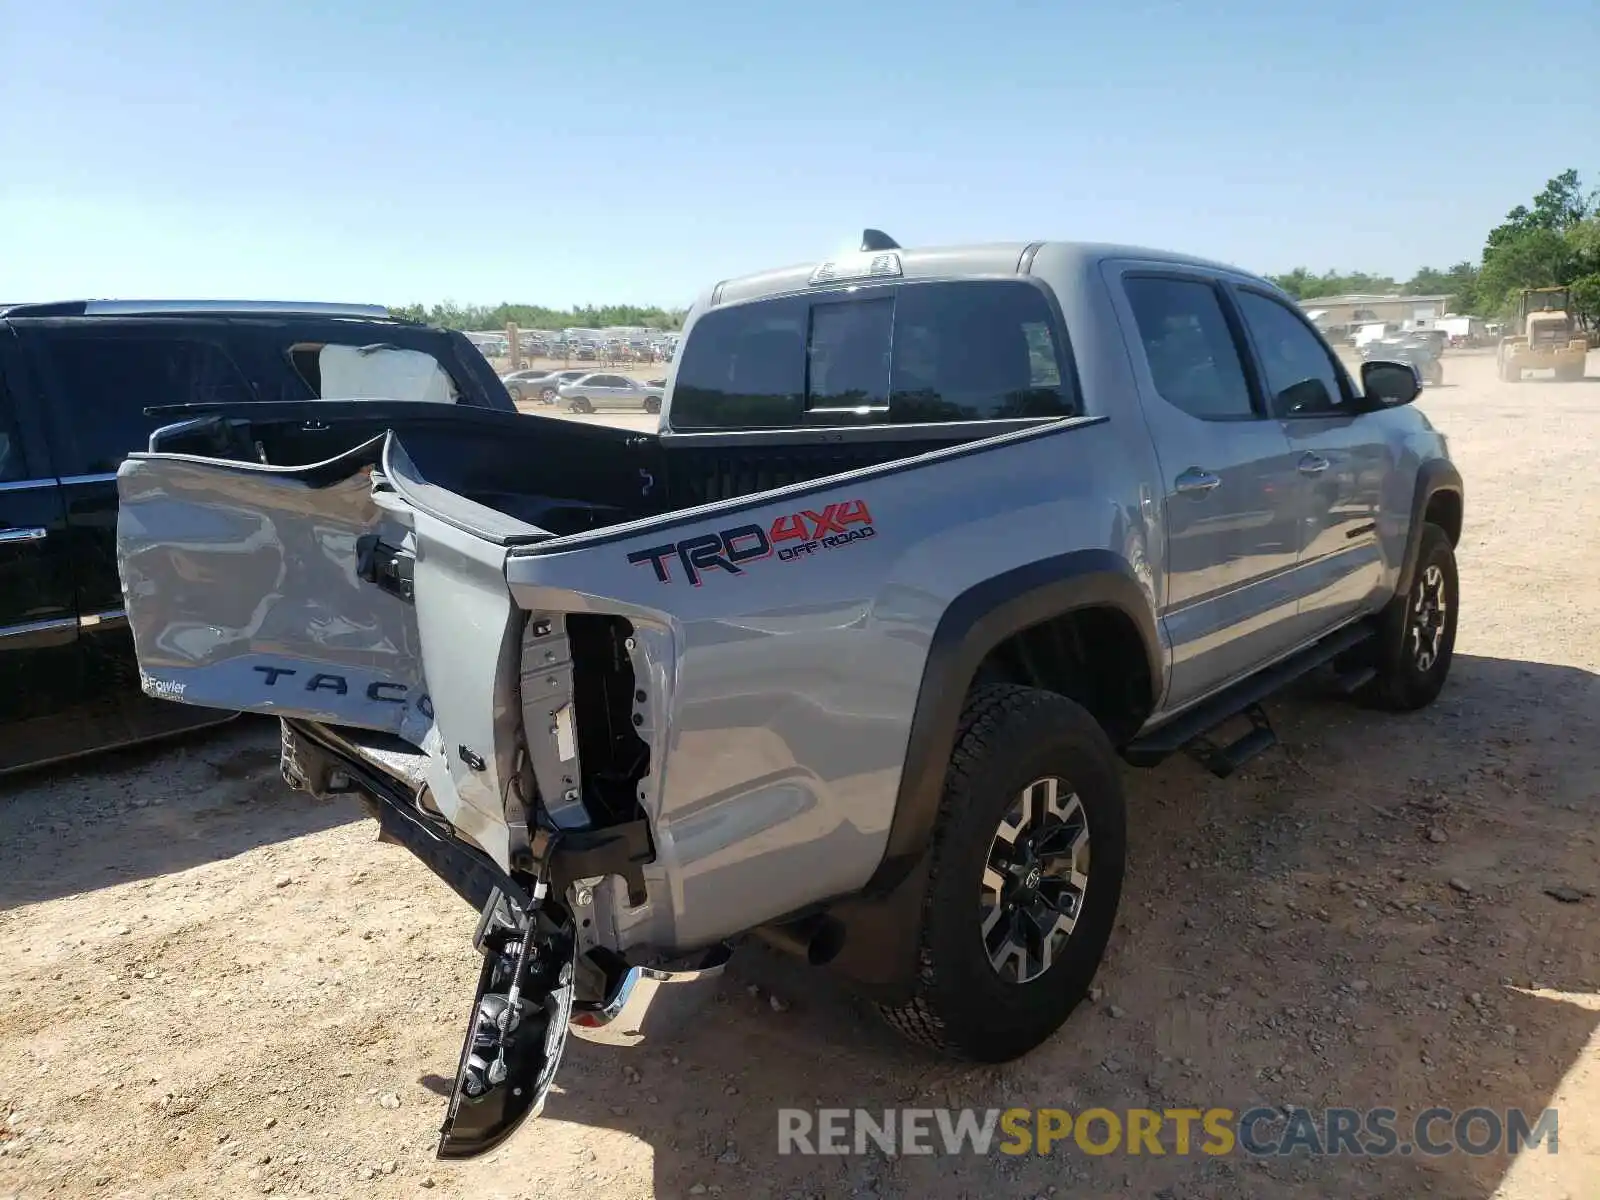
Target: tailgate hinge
x: 391, y: 568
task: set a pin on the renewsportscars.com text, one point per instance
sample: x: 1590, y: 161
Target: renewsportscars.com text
x: 1259, y: 1132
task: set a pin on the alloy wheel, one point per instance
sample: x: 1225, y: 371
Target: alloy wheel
x: 1035, y: 880
x: 1429, y: 608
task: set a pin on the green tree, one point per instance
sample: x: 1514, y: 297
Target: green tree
x: 1562, y: 204
x: 1304, y: 285
x: 450, y: 315
x: 1550, y: 244
x: 1460, y: 282
x: 1531, y: 259
x: 1586, y: 298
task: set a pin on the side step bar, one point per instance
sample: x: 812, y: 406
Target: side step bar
x: 1188, y: 727
x: 1224, y: 760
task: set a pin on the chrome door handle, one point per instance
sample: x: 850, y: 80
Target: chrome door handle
x: 1194, y: 481
x: 1312, y: 464
x: 23, y: 535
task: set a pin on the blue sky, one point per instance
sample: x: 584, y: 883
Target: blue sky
x: 405, y: 151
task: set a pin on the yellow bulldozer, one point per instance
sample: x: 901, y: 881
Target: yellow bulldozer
x: 1546, y: 337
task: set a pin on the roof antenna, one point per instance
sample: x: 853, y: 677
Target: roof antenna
x: 877, y: 239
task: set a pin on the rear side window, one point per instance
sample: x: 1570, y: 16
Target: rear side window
x: 1188, y: 346
x: 920, y: 352
x: 373, y: 372
x: 103, y: 383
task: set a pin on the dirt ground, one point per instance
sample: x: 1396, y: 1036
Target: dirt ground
x: 211, y: 986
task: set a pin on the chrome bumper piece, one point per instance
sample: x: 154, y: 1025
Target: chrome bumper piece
x: 650, y: 1001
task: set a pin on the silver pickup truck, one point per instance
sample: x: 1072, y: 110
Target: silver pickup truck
x: 845, y: 655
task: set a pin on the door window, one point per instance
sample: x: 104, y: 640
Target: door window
x: 104, y: 382
x: 1193, y: 359
x: 1300, y: 374
x: 13, y: 466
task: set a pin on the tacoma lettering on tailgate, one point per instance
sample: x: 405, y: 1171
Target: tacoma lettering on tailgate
x: 792, y: 537
x: 379, y: 691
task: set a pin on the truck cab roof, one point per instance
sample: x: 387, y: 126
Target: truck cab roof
x: 990, y: 259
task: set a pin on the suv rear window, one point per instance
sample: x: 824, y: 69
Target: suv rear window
x: 973, y: 350
x: 339, y: 372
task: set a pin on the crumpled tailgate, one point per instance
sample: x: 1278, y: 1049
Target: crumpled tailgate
x: 244, y: 590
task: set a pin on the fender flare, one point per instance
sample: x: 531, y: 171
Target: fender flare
x: 1433, y: 477
x: 878, y: 953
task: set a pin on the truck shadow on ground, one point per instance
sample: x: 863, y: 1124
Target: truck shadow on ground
x: 151, y: 810
x: 1354, y: 920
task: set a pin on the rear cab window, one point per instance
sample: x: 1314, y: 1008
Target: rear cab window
x: 908, y: 353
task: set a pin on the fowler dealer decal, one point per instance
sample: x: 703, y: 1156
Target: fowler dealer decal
x: 166, y: 689
x: 796, y: 536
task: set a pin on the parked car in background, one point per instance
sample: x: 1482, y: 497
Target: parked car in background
x: 1418, y: 349
x: 76, y: 380
x: 1437, y: 339
x: 610, y: 391
x: 524, y: 385
x: 539, y: 385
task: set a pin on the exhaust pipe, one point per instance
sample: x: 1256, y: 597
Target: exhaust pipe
x: 817, y: 938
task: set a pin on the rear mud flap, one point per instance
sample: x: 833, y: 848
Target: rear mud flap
x: 517, y: 1031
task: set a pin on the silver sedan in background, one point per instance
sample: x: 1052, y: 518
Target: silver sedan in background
x: 600, y: 390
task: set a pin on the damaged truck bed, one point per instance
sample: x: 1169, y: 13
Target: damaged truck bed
x: 843, y: 654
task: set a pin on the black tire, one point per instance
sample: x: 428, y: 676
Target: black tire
x: 652, y: 404
x: 1403, y: 683
x: 1008, y: 737
x: 581, y: 405
x: 516, y: 394
x: 548, y: 395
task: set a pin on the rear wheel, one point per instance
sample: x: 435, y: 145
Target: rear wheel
x: 1026, y: 875
x: 652, y: 404
x: 1417, y: 631
x: 548, y: 395
x: 581, y: 405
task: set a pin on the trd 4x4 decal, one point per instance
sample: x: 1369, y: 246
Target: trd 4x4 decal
x: 792, y: 537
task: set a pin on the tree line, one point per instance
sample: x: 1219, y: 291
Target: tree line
x: 450, y: 315
x: 1554, y: 242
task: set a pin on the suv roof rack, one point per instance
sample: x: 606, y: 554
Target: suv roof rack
x: 158, y: 308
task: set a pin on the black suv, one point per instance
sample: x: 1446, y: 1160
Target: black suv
x: 76, y: 381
